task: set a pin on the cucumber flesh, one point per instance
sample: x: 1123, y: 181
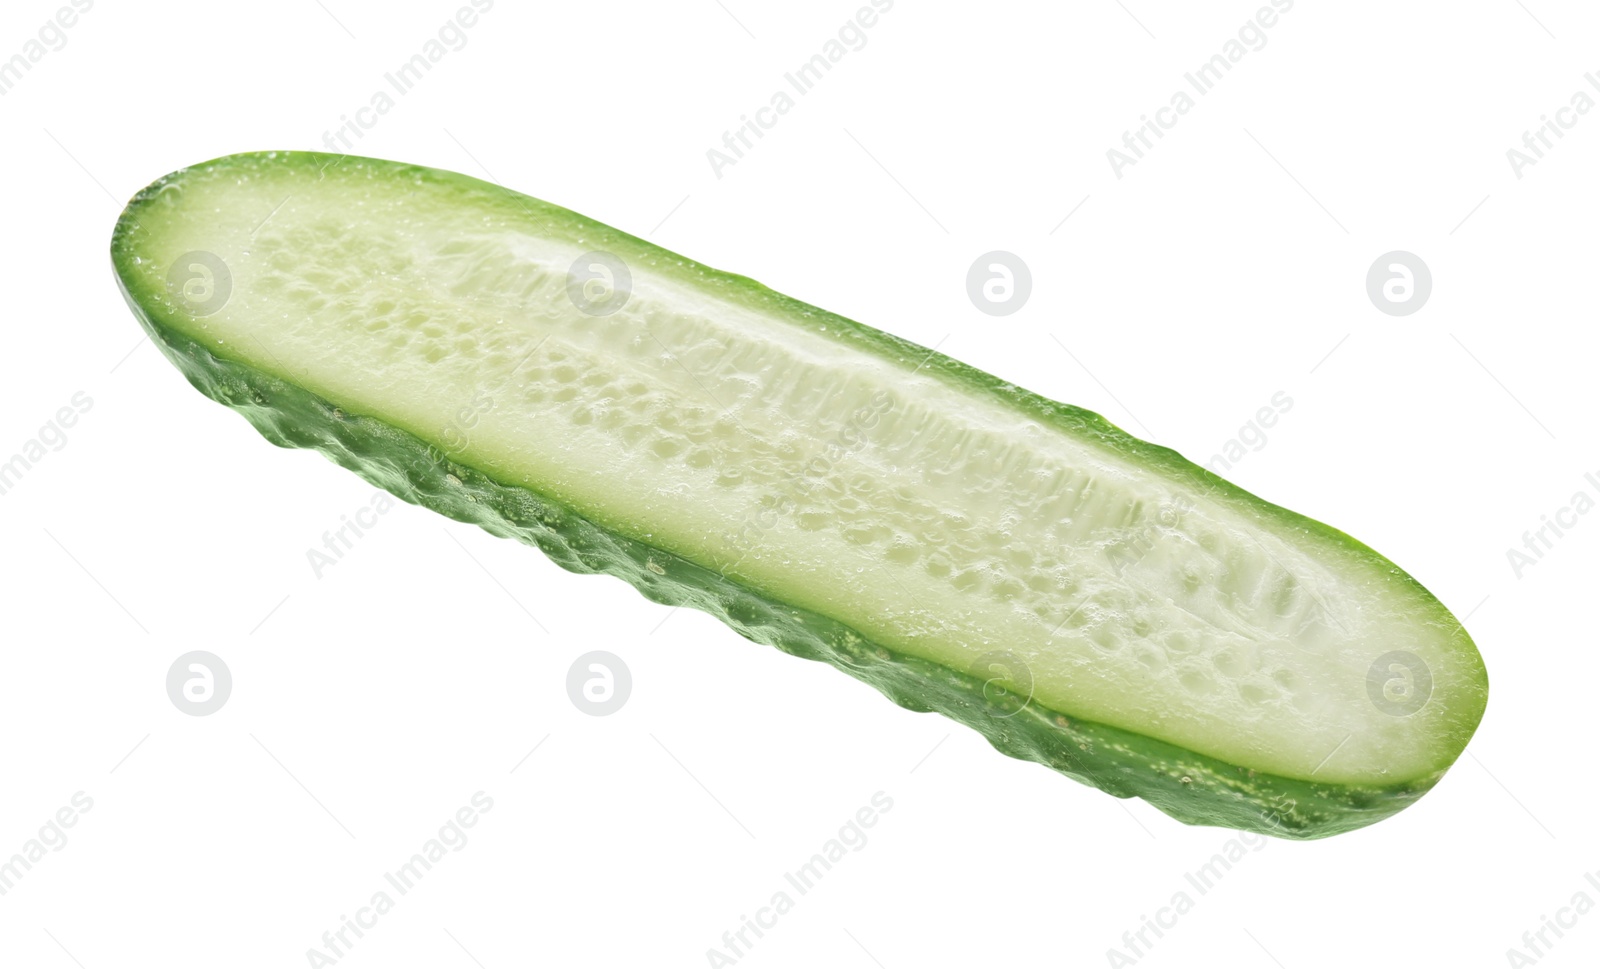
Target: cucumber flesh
x: 1082, y: 597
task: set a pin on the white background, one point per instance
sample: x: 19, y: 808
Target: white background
x: 371, y: 703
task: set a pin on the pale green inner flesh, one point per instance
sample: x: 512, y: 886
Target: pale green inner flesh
x: 947, y: 526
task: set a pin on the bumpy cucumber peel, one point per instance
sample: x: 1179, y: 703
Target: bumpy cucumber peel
x: 1080, y: 597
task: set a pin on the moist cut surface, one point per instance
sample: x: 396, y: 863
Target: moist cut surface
x: 760, y: 454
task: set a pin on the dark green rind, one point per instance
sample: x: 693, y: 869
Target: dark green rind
x: 1191, y: 787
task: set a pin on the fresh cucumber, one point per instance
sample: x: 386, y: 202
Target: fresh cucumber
x: 1080, y: 597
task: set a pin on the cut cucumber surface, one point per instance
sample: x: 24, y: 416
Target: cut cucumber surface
x: 1081, y: 597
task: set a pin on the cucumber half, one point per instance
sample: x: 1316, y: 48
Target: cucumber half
x: 1082, y: 598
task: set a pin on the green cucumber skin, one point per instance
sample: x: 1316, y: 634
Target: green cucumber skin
x: 1190, y: 787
